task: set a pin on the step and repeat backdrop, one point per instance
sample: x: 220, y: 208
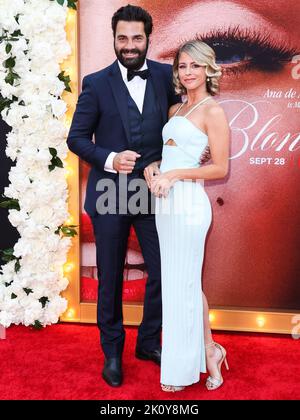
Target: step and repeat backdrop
x: 252, y: 252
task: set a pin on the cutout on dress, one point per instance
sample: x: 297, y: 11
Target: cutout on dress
x: 171, y: 142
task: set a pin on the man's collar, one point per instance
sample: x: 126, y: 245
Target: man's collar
x: 124, y: 69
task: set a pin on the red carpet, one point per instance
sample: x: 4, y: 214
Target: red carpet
x: 64, y: 362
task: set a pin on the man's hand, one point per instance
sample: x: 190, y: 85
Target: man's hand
x: 150, y: 171
x: 124, y: 162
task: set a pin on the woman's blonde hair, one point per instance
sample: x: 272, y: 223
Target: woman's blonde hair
x: 204, y: 55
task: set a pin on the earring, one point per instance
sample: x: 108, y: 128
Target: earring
x: 208, y: 79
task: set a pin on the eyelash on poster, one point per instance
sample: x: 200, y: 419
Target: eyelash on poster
x: 267, y: 55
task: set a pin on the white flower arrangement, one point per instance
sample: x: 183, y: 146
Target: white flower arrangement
x: 33, y: 44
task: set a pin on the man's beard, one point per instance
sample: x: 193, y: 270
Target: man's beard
x: 132, y: 63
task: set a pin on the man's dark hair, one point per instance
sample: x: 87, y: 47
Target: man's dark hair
x: 131, y: 13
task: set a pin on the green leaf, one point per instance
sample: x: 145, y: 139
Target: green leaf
x: 5, y: 103
x: 37, y: 325
x: 53, y: 151
x: 8, y: 284
x: 9, y: 63
x: 11, y: 77
x: 68, y: 231
x: 7, y: 255
x: 17, y: 265
x: 57, y: 230
x: 10, y: 204
x: 58, y: 162
x: 66, y: 79
x: 43, y: 300
x: 72, y: 4
x: 8, y: 48
x: 17, y: 33
x: 27, y: 291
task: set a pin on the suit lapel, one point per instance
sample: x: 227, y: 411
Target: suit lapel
x: 159, y: 88
x: 120, y: 94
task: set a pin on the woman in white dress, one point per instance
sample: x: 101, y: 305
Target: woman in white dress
x: 196, y: 131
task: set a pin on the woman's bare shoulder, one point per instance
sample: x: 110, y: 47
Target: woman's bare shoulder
x: 173, y: 109
x: 213, y: 108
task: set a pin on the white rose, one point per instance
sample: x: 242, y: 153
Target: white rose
x: 59, y: 107
x: 63, y: 284
x: 62, y: 49
x: 42, y: 214
x: 11, y: 192
x: 41, y: 51
x: 7, y: 91
x: 12, y: 139
x: 8, y: 21
x: 47, y: 68
x: 19, y: 180
x: 13, y: 8
x: 6, y: 318
x: 55, y: 128
x: 17, y: 217
x: 57, y: 87
x: 8, y: 272
x: 22, y: 66
x: 54, y: 309
x: 13, y: 116
x: 22, y: 248
x: 53, y: 242
x: 18, y: 47
x: 33, y: 313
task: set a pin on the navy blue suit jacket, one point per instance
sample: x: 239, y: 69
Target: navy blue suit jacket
x: 102, y: 110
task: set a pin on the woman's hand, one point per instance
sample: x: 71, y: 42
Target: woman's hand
x: 150, y: 171
x: 161, y: 184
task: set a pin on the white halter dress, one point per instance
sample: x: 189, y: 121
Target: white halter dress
x: 182, y: 221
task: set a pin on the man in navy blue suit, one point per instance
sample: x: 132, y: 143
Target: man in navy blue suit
x: 125, y: 107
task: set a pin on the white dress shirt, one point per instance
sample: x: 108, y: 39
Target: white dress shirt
x: 137, y: 89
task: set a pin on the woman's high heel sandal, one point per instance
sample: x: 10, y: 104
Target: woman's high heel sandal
x: 171, y: 388
x: 213, y: 383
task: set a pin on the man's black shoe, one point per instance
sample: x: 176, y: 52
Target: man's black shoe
x: 154, y: 355
x: 112, y: 371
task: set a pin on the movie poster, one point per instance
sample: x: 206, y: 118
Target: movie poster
x: 252, y: 249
